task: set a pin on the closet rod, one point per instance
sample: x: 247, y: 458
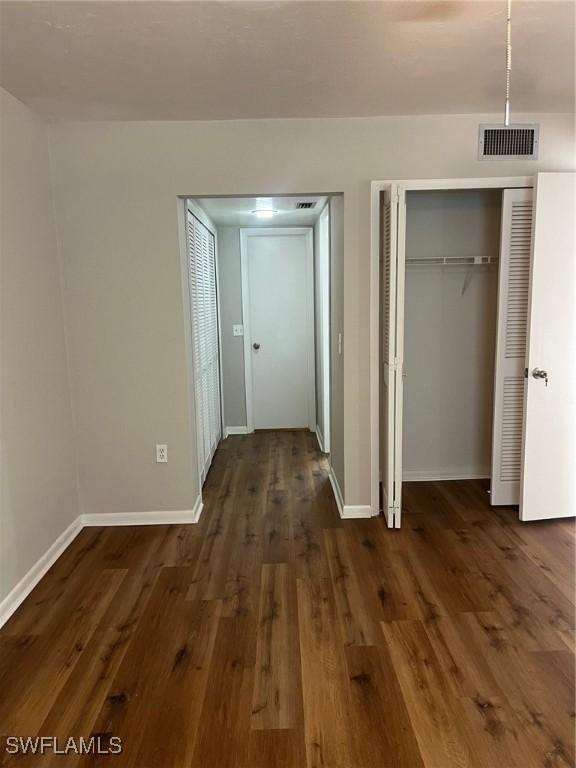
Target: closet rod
x: 452, y: 260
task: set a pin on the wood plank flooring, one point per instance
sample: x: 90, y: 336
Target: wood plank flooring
x: 275, y: 635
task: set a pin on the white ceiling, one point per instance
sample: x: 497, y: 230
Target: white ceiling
x: 129, y: 60
x: 238, y: 211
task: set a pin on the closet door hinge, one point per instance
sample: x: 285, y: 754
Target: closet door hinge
x: 393, y: 515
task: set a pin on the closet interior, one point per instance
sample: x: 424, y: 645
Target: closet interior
x: 450, y: 311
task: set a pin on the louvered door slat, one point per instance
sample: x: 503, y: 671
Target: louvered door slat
x: 205, y: 342
x: 390, y: 396
x: 386, y: 283
x: 513, y: 292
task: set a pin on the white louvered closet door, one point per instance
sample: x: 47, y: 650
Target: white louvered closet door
x: 392, y: 334
x: 205, y: 341
x: 509, y: 389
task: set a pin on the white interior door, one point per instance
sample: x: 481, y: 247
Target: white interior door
x: 511, y: 337
x: 548, y: 485
x: 392, y: 333
x: 278, y: 305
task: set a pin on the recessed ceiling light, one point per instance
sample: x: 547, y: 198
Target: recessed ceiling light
x: 264, y: 213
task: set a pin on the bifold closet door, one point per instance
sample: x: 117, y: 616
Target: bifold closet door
x: 205, y: 340
x: 392, y: 334
x: 511, y: 338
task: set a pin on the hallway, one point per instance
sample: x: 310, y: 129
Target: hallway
x: 273, y: 634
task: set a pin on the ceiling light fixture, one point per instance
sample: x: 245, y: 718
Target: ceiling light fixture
x: 264, y: 213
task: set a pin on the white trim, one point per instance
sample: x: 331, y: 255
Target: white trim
x: 362, y: 511
x: 196, y: 210
x: 423, y: 475
x: 320, y: 438
x: 376, y: 187
x: 488, y: 182
x: 399, y: 336
x: 323, y: 312
x: 235, y: 431
x: 246, y: 232
x: 27, y: 583
x: 310, y: 299
x: 112, y: 519
x: 336, y: 490
x: 219, y: 321
x: 347, y: 511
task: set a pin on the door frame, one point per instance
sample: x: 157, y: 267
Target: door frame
x: 323, y: 311
x: 406, y: 185
x: 245, y: 233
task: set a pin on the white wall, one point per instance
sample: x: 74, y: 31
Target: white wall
x: 230, y: 295
x: 337, y: 355
x: 39, y: 480
x: 116, y: 187
x: 319, y: 307
x: 450, y: 334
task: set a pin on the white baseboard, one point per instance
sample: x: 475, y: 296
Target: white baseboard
x: 356, y: 511
x: 235, y: 431
x: 198, y: 507
x: 178, y: 517
x: 38, y: 570
x: 468, y: 473
x: 347, y: 511
x: 320, y: 438
x: 336, y: 491
x: 41, y: 567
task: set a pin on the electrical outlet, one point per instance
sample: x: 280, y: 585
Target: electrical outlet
x: 161, y: 454
x: 238, y: 330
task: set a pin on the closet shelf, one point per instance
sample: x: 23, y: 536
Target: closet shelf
x: 452, y: 260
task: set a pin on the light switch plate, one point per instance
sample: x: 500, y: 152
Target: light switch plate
x: 238, y: 330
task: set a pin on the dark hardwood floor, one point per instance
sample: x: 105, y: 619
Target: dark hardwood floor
x: 275, y: 635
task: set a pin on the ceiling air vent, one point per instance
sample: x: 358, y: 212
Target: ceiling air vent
x: 513, y: 142
x: 305, y: 206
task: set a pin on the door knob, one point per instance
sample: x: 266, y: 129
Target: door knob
x: 538, y: 373
x: 256, y: 345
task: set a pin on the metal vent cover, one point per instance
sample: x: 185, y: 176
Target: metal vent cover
x: 305, y: 205
x: 513, y: 142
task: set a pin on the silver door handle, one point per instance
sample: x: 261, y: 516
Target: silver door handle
x: 539, y: 373
x: 256, y: 346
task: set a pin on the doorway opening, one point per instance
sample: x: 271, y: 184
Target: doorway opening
x: 259, y: 289
x: 453, y: 294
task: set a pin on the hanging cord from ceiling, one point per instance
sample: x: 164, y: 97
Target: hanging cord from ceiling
x: 508, y: 60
